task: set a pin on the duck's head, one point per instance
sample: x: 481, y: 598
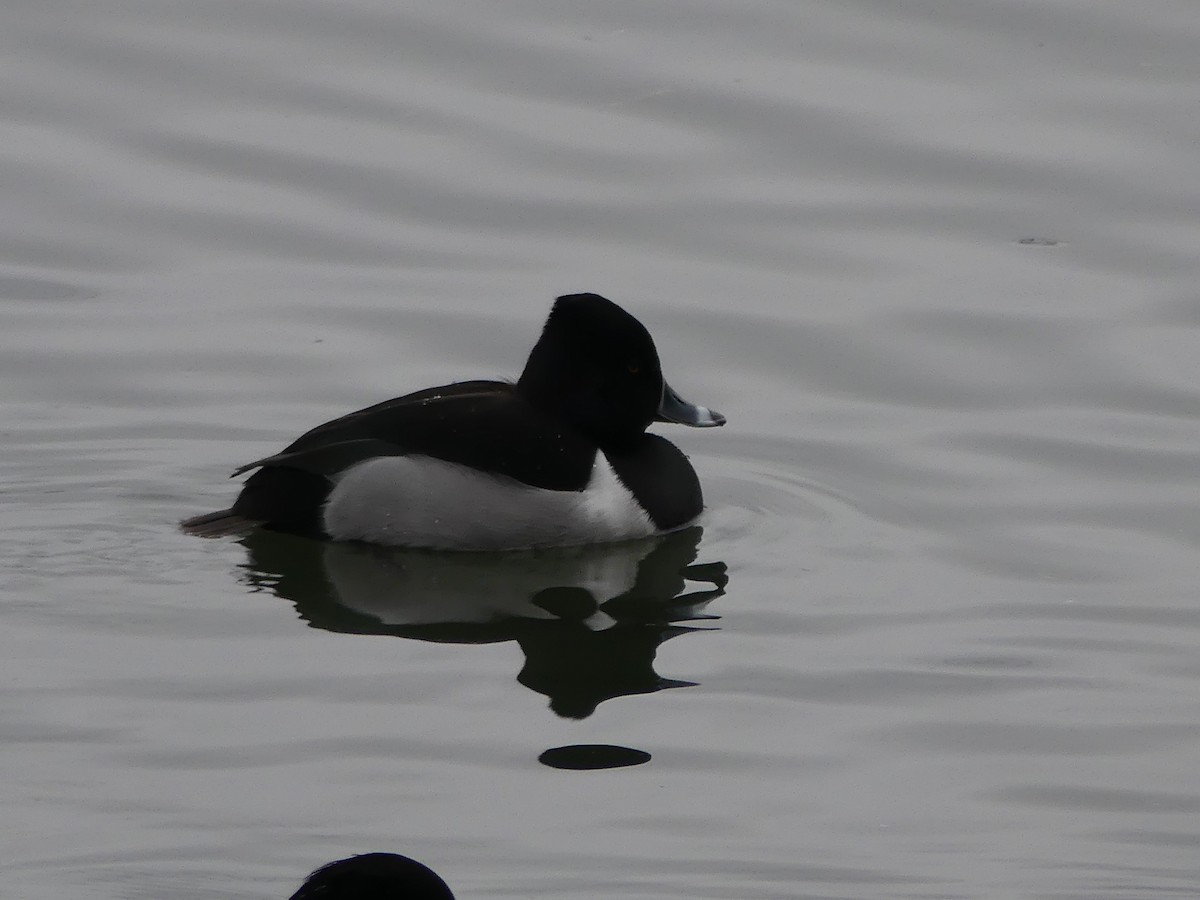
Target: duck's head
x: 374, y: 876
x: 595, y: 367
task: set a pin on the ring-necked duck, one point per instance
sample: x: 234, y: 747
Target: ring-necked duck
x: 561, y: 457
x: 374, y: 876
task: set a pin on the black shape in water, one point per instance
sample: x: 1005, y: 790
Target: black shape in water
x: 374, y: 876
x: 589, y: 757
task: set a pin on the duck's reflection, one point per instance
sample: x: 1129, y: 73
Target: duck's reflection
x: 589, y: 619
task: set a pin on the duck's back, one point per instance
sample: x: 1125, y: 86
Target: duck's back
x: 476, y: 444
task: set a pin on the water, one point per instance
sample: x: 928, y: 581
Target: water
x: 937, y: 262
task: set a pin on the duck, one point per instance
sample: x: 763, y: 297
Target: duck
x: 560, y: 457
x: 374, y: 876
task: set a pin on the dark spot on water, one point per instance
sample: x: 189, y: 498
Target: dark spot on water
x: 1038, y: 242
x: 16, y: 288
x: 584, y: 757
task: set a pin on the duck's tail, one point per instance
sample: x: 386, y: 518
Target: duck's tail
x: 218, y: 524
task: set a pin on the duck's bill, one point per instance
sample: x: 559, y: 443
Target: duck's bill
x: 674, y: 408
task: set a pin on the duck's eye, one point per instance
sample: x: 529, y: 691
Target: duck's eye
x: 632, y: 367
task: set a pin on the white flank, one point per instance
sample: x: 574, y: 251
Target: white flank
x: 418, y: 501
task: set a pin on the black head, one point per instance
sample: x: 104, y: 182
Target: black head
x: 374, y: 876
x: 596, y: 368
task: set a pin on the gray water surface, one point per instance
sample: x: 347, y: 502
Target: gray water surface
x: 936, y: 261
